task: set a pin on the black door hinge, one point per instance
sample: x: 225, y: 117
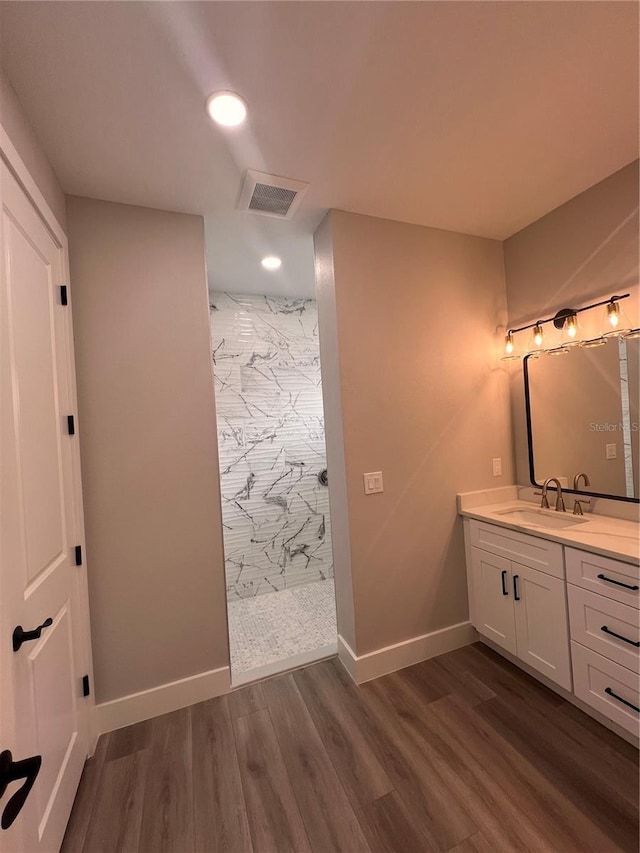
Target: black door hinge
x: 71, y: 424
x: 85, y: 685
x: 78, y: 555
x: 64, y: 298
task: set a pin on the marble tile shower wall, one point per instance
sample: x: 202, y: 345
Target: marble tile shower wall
x: 275, y: 512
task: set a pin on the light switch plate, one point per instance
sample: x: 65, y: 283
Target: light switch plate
x: 611, y: 451
x: 373, y: 483
x: 497, y: 467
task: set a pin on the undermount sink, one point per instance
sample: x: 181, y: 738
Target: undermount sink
x: 541, y: 518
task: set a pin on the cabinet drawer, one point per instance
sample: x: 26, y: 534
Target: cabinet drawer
x: 613, y: 578
x: 607, y: 687
x: 527, y: 550
x: 595, y: 620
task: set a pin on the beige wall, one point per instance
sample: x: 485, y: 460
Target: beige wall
x: 148, y: 444
x: 585, y: 250
x: 334, y: 438
x: 23, y: 137
x: 422, y: 401
x: 582, y: 249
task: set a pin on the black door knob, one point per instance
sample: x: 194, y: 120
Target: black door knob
x: 21, y: 636
x: 11, y: 771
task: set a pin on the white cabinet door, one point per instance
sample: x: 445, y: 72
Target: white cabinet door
x: 42, y: 711
x: 493, y: 614
x: 542, y: 627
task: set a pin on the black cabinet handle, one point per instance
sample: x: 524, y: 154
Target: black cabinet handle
x: 10, y: 771
x: 620, y: 637
x: 21, y: 636
x: 618, y: 583
x: 505, y: 591
x: 620, y: 699
x: 516, y: 597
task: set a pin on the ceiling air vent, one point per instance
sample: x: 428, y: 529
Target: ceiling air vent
x: 270, y: 195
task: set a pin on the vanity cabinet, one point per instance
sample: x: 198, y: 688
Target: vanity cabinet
x: 580, y: 630
x: 516, y: 604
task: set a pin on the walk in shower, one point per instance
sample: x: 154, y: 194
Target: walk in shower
x: 275, y: 505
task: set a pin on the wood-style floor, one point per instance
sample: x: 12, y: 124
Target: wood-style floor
x: 461, y: 753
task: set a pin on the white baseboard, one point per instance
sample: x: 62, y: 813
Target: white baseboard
x: 161, y: 700
x: 347, y: 657
x: 363, y: 668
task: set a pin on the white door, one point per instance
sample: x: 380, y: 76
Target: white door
x: 542, y: 626
x: 42, y: 709
x: 493, y: 598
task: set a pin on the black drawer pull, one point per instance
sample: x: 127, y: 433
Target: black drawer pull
x: 618, y: 583
x: 505, y: 591
x: 620, y: 637
x: 620, y: 699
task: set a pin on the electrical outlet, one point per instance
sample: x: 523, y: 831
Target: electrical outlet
x: 611, y: 451
x: 497, y: 467
x: 373, y: 483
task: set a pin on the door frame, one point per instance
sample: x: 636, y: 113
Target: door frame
x: 16, y: 165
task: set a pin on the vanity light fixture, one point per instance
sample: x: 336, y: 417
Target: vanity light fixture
x: 566, y: 321
x: 226, y: 108
x: 271, y: 263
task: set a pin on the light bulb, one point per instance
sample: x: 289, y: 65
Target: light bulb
x: 508, y: 343
x: 572, y: 325
x: 615, y: 323
x: 538, y: 335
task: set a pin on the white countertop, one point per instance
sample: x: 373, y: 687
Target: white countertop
x: 611, y: 537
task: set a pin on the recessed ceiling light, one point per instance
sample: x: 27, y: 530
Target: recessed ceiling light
x: 271, y: 262
x: 226, y: 108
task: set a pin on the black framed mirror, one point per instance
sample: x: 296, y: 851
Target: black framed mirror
x: 582, y: 417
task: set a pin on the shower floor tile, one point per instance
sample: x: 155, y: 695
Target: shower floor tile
x: 281, y: 630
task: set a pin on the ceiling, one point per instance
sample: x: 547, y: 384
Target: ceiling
x: 478, y: 117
